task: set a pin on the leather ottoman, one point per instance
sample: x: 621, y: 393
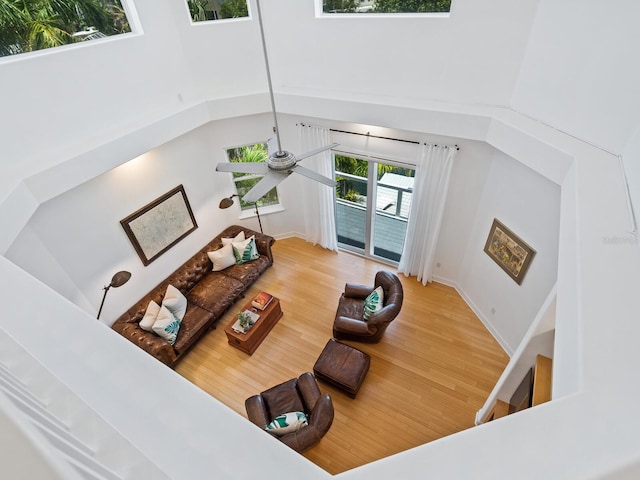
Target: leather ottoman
x: 342, y: 366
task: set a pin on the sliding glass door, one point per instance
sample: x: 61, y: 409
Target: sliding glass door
x: 373, y: 200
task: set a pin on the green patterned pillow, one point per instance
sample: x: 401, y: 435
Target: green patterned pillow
x: 245, y: 251
x: 167, y: 325
x: 287, y: 423
x: 373, y: 303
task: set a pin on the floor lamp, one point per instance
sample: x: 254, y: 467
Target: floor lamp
x: 117, y: 280
x: 228, y: 201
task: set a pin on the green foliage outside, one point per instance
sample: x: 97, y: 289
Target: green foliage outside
x: 201, y: 11
x: 389, y: 6
x: 30, y: 25
x: 251, y: 153
x: 339, y: 6
x: 352, y: 189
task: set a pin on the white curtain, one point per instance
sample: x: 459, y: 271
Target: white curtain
x: 318, y: 199
x: 429, y: 195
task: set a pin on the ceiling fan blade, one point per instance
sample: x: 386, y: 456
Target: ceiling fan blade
x: 316, y: 151
x: 314, y: 175
x: 263, y: 187
x: 258, y: 168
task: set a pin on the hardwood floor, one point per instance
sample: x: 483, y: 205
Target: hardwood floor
x: 429, y: 375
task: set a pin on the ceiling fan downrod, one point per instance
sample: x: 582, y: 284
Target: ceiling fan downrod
x: 280, y: 153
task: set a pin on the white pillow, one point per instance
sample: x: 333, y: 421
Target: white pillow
x: 373, y: 302
x: 150, y: 316
x: 222, y: 258
x: 167, y: 325
x: 175, y: 301
x: 238, y: 238
x: 287, y: 423
x: 245, y: 251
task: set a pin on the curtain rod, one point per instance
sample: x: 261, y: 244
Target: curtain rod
x: 377, y: 136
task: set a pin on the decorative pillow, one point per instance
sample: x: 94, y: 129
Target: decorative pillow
x: 222, y: 258
x: 238, y: 238
x: 245, y: 251
x: 167, y: 325
x: 373, y: 302
x: 150, y: 316
x: 287, y: 423
x: 175, y: 301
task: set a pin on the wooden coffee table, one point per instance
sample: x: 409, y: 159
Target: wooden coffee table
x: 248, y: 342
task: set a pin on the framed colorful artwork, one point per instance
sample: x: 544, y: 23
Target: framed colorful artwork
x: 509, y: 251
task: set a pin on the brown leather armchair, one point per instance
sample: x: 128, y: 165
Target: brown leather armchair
x: 295, y: 395
x: 349, y: 323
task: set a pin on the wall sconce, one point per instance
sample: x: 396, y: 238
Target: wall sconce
x: 228, y: 201
x: 117, y: 280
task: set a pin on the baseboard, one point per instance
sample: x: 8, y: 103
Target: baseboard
x: 485, y: 321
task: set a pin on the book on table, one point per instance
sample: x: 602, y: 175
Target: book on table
x: 262, y: 300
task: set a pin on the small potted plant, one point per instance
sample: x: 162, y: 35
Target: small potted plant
x: 246, y: 322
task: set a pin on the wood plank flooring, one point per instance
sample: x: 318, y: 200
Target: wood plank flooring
x: 429, y: 375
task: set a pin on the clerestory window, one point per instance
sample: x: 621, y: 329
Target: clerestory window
x: 31, y: 25
x: 386, y: 6
x: 207, y: 10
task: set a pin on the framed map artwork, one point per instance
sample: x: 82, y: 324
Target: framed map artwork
x: 159, y: 225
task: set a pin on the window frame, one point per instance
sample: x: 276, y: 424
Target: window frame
x: 248, y: 211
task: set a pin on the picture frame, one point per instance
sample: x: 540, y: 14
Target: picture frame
x: 509, y: 251
x: 159, y: 225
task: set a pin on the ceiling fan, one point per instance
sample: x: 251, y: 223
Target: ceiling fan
x: 280, y: 164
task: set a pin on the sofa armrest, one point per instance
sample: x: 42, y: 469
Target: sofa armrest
x: 263, y: 244
x: 352, y: 325
x: 149, y: 342
x: 354, y: 290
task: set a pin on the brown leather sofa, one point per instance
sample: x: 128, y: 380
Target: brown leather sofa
x: 349, y: 323
x: 209, y: 295
x: 295, y: 395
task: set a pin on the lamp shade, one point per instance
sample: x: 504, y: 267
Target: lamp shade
x: 120, y: 278
x: 227, y: 201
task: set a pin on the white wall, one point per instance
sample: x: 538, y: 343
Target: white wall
x: 68, y: 100
x: 579, y: 72
x: 78, y: 232
x: 368, y: 55
x: 529, y: 205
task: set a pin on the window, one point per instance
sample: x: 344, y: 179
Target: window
x: 251, y: 153
x: 373, y: 200
x: 206, y: 10
x: 386, y: 6
x: 30, y: 25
